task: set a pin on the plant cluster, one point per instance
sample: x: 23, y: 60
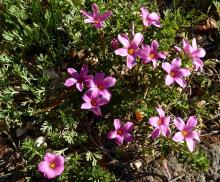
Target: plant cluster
x: 45, y: 43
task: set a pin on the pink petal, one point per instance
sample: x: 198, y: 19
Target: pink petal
x: 49, y: 157
x: 184, y: 72
x: 87, y: 80
x: 199, y: 53
x: 146, y: 22
x: 169, y: 80
x: 179, y: 123
x: 190, y: 144
x: 178, y: 137
x: 161, y: 55
x: 127, y: 127
x: 191, y: 123
x: 112, y: 134
x: 50, y: 174
x: 160, y: 112
x: 91, y: 83
x: 70, y: 82
x: 154, y: 63
x: 195, y: 135
x: 87, y: 14
x: 99, y: 77
x: 166, y: 120
x: 128, y: 137
x: 145, y: 50
x: 88, y: 21
x: 95, y: 9
x: 94, y: 93
x: 156, y: 24
x: 144, y: 13
x: 87, y: 96
x: 167, y: 67
x: 117, y: 124
x: 105, y: 16
x: 165, y: 130
x: 106, y: 94
x: 176, y: 63
x: 153, y: 16
x: 153, y: 121
x: 43, y: 166
x: 181, y: 82
x: 186, y: 46
x: 109, y: 81
x: 71, y: 71
x: 124, y: 40
x: 155, y: 133
x: 154, y: 45
x: 80, y: 86
x: 59, y: 170
x: 121, y: 52
x: 178, y: 49
x: 84, y: 70
x: 130, y: 62
x: 99, y: 25
x: 198, y: 64
x: 59, y: 160
x: 119, y: 140
x: 86, y: 106
x: 194, y: 44
x: 97, y: 111
x: 101, y: 101
x: 137, y: 40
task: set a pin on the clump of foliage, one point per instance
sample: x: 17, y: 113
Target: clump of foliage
x: 42, y: 39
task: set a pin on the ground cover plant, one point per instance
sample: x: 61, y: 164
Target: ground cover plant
x: 97, y: 90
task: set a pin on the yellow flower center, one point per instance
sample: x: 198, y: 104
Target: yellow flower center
x: 151, y: 55
x: 100, y: 86
x: 93, y: 102
x: 131, y: 51
x: 159, y: 122
x: 119, y: 132
x: 96, y: 21
x: 52, y: 165
x: 172, y: 74
x: 184, y: 133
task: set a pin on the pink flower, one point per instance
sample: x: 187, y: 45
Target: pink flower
x: 160, y: 123
x: 150, y: 18
x: 194, y: 52
x: 150, y: 53
x: 79, y: 79
x: 93, y: 101
x: 186, y: 132
x: 100, y: 84
x: 51, y: 166
x: 96, y: 18
x: 175, y: 73
x: 130, y: 49
x: 121, y: 132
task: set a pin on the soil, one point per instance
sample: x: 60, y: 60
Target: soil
x: 174, y: 171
